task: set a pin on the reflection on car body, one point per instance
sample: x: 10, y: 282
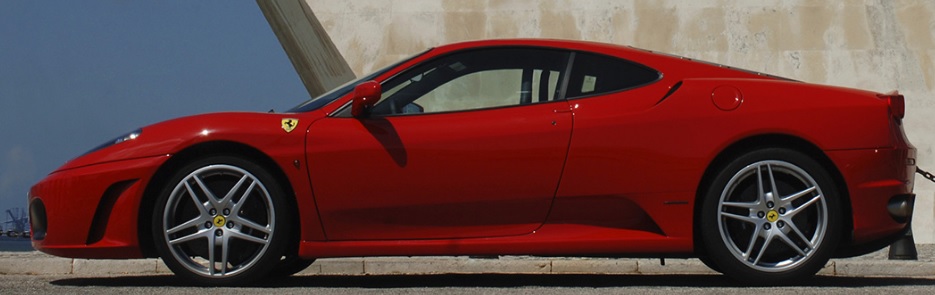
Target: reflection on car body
x: 502, y: 147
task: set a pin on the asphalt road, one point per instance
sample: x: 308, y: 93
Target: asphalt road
x: 464, y: 284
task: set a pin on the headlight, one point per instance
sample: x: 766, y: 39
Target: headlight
x: 126, y: 137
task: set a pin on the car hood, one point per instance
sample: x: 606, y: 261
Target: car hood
x: 169, y: 137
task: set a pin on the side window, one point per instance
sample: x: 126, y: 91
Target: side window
x: 475, y: 79
x: 594, y: 74
x: 484, y: 89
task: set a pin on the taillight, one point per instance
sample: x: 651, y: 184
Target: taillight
x: 897, y: 104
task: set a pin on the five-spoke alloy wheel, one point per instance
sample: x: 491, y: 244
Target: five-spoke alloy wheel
x: 220, y: 221
x: 770, y: 217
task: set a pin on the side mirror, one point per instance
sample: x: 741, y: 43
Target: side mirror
x: 366, y: 95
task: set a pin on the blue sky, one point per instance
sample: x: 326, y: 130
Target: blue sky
x: 74, y: 74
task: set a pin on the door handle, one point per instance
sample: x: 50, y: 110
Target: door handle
x: 570, y: 109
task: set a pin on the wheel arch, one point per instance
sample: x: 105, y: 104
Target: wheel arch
x: 769, y: 141
x: 206, y: 149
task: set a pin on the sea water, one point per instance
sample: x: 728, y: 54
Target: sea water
x: 15, y: 244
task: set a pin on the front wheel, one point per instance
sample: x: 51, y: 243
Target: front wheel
x: 771, y: 216
x: 222, y: 221
x: 290, y: 265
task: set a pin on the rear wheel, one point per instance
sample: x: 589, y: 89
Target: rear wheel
x: 222, y: 221
x: 771, y: 216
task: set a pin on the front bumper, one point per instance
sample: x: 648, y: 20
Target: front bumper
x: 91, y: 211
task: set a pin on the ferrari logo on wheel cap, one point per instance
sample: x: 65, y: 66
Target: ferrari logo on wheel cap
x: 289, y: 124
x: 219, y: 221
x: 772, y: 216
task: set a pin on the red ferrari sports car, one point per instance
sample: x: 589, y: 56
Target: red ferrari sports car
x: 502, y: 147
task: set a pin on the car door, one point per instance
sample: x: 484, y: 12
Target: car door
x: 471, y: 144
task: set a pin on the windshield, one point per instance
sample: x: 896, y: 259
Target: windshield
x: 328, y: 97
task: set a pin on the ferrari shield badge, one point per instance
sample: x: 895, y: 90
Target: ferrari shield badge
x: 289, y: 124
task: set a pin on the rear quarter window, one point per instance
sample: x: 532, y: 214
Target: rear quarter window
x: 594, y: 74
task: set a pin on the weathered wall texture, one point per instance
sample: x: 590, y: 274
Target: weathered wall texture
x: 875, y: 45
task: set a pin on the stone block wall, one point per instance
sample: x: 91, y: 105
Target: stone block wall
x: 876, y: 45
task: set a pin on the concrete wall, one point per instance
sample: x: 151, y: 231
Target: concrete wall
x: 874, y: 45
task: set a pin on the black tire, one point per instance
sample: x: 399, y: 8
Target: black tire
x: 794, y: 232
x: 709, y: 263
x: 290, y: 265
x: 247, y: 225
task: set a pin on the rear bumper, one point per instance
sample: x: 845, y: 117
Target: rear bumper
x: 853, y: 250
x: 91, y: 211
x: 875, y: 178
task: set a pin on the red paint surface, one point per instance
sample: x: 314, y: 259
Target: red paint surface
x: 615, y: 175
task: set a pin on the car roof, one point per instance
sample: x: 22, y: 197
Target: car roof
x: 663, y: 62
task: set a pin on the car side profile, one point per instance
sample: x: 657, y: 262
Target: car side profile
x: 502, y: 147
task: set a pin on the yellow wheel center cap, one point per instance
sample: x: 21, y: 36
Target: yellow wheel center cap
x: 771, y: 216
x: 219, y: 221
